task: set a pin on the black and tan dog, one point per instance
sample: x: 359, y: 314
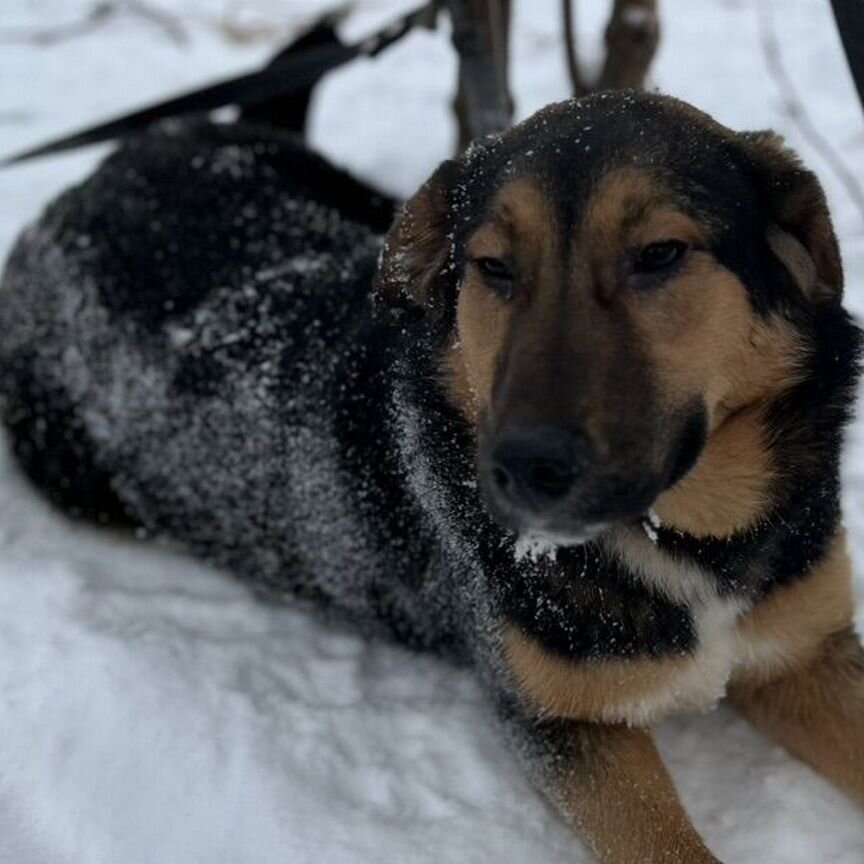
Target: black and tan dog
x: 585, y: 438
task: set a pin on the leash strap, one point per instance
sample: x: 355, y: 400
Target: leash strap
x: 287, y: 76
x: 849, y: 15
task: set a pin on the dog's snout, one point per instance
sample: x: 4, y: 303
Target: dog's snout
x: 533, y: 468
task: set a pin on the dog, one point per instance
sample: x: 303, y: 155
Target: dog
x: 574, y: 418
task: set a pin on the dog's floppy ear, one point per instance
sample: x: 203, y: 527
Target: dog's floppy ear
x: 800, y: 235
x: 416, y: 261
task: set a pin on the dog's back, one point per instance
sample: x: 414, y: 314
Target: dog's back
x: 219, y: 379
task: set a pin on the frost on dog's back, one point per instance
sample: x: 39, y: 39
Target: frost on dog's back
x: 209, y: 364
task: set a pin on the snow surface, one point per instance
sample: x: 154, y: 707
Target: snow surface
x: 150, y: 710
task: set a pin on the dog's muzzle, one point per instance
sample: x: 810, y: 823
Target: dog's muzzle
x: 545, y: 480
x: 533, y: 469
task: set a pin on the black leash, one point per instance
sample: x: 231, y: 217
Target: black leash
x: 849, y: 15
x: 291, y: 74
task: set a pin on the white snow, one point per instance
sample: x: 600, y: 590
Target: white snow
x: 651, y: 524
x: 150, y: 711
x: 534, y: 548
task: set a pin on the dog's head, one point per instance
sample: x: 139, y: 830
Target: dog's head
x: 613, y: 282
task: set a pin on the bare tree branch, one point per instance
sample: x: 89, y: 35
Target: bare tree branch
x: 480, y: 35
x: 576, y: 80
x: 98, y: 15
x: 632, y: 36
x: 45, y: 36
x: 169, y: 24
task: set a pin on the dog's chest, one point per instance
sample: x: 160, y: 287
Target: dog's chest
x: 635, y: 690
x: 698, y: 681
x: 670, y: 644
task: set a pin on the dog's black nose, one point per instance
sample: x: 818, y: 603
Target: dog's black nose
x: 535, y: 467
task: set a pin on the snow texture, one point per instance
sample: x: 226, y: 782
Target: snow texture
x: 152, y: 710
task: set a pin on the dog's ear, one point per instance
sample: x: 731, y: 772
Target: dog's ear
x: 800, y: 235
x: 417, y: 258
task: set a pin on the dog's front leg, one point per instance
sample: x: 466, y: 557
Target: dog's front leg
x: 614, y: 789
x: 817, y: 712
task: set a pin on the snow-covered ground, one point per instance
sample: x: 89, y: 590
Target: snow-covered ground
x: 150, y: 711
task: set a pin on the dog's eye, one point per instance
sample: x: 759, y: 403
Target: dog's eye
x: 659, y: 256
x: 497, y: 273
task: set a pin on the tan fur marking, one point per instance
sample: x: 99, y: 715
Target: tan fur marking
x: 492, y: 239
x: 626, y: 805
x: 703, y: 337
x: 666, y: 224
x: 795, y: 258
x: 787, y: 629
x: 705, y: 341
x: 518, y: 227
x: 618, y: 196
x: 523, y: 207
x: 804, y: 682
x: 482, y: 321
x: 727, y: 489
x: 817, y: 712
x: 600, y: 691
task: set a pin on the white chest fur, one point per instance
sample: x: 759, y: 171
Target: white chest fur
x: 699, y: 681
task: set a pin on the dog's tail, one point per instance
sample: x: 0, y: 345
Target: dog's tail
x: 290, y: 111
